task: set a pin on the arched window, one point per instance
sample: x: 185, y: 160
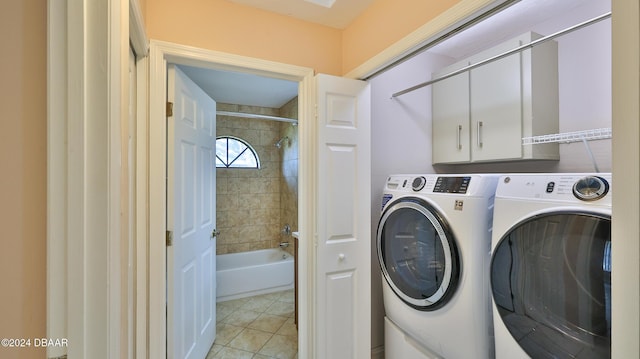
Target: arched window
x: 233, y: 152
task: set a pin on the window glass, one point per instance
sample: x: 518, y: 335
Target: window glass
x: 418, y: 254
x: 232, y: 152
x: 551, y: 283
x: 413, y: 253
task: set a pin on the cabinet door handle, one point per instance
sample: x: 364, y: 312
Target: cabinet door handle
x: 458, y: 137
x: 479, y: 134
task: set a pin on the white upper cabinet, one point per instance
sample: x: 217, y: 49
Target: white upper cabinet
x: 481, y: 115
x: 451, y: 111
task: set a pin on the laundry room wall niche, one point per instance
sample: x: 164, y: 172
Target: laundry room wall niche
x: 584, y: 87
x: 402, y: 126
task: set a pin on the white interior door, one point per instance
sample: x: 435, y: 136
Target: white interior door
x: 191, y: 287
x: 344, y: 233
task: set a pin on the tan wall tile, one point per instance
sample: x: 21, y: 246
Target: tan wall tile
x: 249, y: 199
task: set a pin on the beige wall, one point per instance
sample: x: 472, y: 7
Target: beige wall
x: 384, y: 23
x: 23, y: 151
x: 143, y: 7
x: 222, y: 25
x: 228, y: 27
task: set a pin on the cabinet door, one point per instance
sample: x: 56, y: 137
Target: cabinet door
x: 496, y: 107
x: 450, y: 111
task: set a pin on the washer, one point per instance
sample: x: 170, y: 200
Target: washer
x: 433, y: 242
x: 551, y: 266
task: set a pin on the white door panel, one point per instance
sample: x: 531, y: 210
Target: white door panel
x: 191, y: 218
x: 451, y: 111
x: 496, y: 107
x: 344, y: 238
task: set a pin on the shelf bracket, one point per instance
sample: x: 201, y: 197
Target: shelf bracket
x: 568, y: 137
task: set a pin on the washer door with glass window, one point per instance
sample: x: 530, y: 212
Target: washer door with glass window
x: 418, y: 254
x: 551, y: 284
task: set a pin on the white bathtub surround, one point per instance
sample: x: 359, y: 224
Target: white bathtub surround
x: 248, y: 274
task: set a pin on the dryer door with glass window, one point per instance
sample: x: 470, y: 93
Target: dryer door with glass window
x: 551, y: 284
x: 418, y: 253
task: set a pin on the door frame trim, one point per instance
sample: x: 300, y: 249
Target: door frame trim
x: 85, y: 107
x: 160, y: 54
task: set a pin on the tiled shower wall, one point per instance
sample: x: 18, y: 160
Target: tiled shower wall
x: 289, y: 172
x: 249, y: 201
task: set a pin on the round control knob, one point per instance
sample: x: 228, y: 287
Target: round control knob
x: 590, y: 188
x: 418, y: 183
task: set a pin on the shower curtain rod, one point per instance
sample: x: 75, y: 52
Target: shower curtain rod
x: 505, y: 54
x: 253, y: 115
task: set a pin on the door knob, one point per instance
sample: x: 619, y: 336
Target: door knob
x: 215, y: 233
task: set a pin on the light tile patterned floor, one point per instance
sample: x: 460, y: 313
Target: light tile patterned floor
x: 260, y: 327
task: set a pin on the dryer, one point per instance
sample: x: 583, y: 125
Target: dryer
x: 551, y: 266
x: 433, y: 243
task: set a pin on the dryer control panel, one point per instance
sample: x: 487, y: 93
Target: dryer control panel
x: 590, y: 188
x: 566, y: 187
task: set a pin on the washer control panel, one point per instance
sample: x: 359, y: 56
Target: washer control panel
x: 430, y: 183
x: 418, y: 183
x: 452, y: 185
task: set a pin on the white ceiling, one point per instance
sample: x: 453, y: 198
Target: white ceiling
x: 338, y: 16
x: 244, y: 89
x: 525, y: 15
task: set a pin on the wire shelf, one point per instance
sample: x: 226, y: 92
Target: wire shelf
x: 568, y: 137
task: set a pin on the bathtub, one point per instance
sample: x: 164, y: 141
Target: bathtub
x: 247, y: 274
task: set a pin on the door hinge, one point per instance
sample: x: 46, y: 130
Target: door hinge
x: 169, y: 238
x: 169, y: 109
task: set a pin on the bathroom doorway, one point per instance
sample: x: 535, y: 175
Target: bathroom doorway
x: 256, y: 211
x: 161, y: 54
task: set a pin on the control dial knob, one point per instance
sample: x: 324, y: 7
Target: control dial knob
x: 590, y: 188
x: 418, y: 183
